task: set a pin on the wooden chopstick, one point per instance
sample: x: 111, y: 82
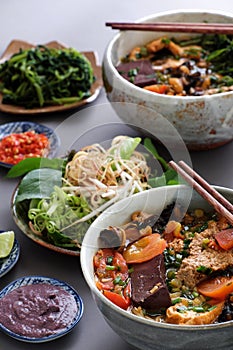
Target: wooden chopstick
x: 220, y: 204
x: 205, y: 185
x: 209, y: 28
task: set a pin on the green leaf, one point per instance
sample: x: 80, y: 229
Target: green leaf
x: 128, y: 146
x: 169, y: 177
x: 30, y: 164
x: 215, y: 54
x: 151, y: 148
x: 38, y: 183
x: 157, y: 181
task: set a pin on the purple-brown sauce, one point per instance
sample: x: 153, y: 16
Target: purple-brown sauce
x: 37, y: 310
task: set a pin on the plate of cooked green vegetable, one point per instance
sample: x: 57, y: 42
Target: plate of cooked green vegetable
x: 57, y: 199
x: 47, y: 78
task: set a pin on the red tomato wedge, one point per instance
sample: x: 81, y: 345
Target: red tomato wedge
x: 145, y: 249
x: 117, y: 299
x: 225, y: 238
x: 101, y: 256
x: 110, y: 265
x: 217, y: 288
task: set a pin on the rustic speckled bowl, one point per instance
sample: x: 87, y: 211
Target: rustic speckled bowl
x: 203, y: 122
x: 145, y: 334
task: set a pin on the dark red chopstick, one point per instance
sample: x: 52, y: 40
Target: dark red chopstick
x: 220, y: 204
x: 205, y: 185
x: 208, y: 28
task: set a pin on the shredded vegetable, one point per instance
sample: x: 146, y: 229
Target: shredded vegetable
x: 51, y: 215
x: 94, y: 179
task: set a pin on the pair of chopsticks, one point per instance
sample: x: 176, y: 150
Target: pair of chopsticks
x: 208, y: 28
x: 220, y: 204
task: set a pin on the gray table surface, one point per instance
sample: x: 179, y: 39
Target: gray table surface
x: 81, y: 24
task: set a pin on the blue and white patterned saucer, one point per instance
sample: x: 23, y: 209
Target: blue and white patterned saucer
x: 29, y: 280
x: 6, y: 264
x: 23, y: 126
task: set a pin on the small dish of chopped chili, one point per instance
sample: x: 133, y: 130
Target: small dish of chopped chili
x: 20, y: 140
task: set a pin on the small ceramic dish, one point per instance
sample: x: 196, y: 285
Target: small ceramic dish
x: 23, y: 126
x: 60, y: 285
x: 6, y: 264
x: 16, y: 45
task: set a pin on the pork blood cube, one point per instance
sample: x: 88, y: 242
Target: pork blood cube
x: 148, y: 281
x: 140, y: 73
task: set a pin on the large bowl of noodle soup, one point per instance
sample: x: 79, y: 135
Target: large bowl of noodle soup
x: 144, y: 333
x: 203, y: 121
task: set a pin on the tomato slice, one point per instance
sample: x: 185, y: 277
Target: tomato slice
x: 145, y: 249
x: 111, y: 270
x: 101, y: 256
x: 117, y: 299
x: 218, y: 288
x: 120, y: 263
x: 158, y: 88
x: 225, y: 238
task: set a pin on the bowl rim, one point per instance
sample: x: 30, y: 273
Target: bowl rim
x: 125, y: 313
x: 116, y: 37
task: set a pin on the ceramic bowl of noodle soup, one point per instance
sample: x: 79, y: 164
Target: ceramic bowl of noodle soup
x: 142, y: 84
x: 144, y: 323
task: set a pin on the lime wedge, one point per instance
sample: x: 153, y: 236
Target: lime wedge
x: 6, y: 243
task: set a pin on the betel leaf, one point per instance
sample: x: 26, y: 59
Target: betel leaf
x: 38, y: 183
x: 29, y: 164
